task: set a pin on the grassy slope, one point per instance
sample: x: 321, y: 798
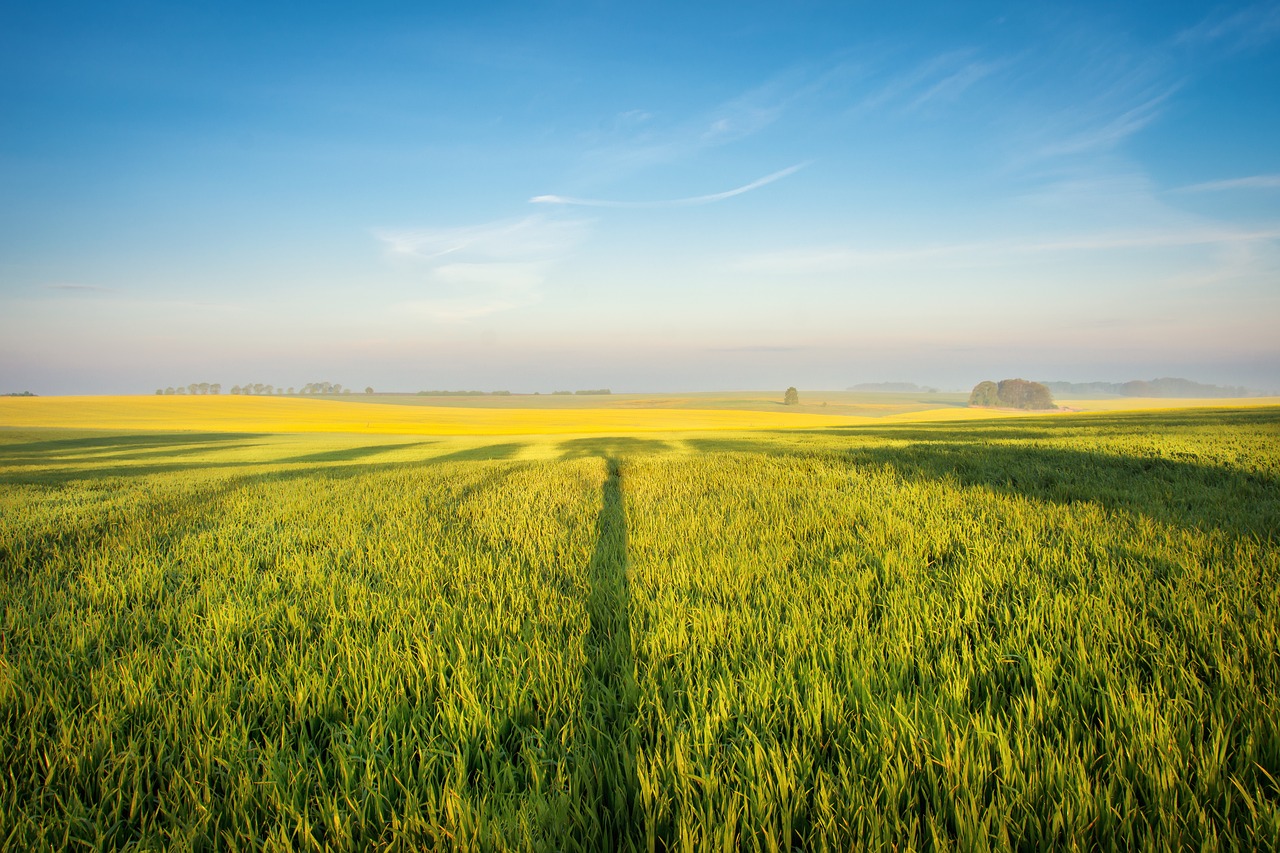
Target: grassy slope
x: 1054, y: 630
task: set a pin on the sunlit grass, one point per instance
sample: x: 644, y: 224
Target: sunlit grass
x: 1048, y: 632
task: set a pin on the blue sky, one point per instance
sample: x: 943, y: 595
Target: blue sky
x: 536, y: 196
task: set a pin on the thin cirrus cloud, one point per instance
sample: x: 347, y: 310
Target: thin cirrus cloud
x: 478, y: 270
x: 837, y: 258
x: 529, y: 237
x: 1252, y: 182
x: 1249, y: 27
x: 1110, y: 130
x: 472, y: 290
x: 942, y: 77
x: 691, y: 201
x: 641, y: 141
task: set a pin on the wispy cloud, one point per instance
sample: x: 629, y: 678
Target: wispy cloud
x: 1253, y: 182
x: 1081, y: 96
x: 678, y: 202
x: 939, y: 78
x: 478, y: 270
x: 1109, y: 130
x: 831, y: 259
x: 641, y: 139
x: 1249, y: 27
x: 470, y: 290
x: 953, y: 85
x: 532, y: 236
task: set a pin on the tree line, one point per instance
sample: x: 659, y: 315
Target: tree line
x: 260, y: 389
x: 1165, y: 386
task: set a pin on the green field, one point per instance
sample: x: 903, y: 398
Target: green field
x: 1040, y: 632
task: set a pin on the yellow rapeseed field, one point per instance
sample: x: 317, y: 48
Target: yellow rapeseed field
x: 225, y: 413
x: 291, y: 414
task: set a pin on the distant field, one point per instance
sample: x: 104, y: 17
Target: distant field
x: 298, y: 415
x: 840, y: 403
x: 620, y: 414
x: 1049, y: 632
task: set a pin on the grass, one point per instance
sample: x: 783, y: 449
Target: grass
x: 1032, y: 632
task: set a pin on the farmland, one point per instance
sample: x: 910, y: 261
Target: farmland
x: 249, y: 625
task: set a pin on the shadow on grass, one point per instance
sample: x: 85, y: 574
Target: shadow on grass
x: 99, y: 444
x: 609, y: 447
x: 1186, y: 493
x: 350, y: 454
x: 167, y: 450
x: 485, y: 453
x: 609, y: 696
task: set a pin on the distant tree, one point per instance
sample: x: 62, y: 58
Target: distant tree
x: 258, y: 387
x: 235, y: 389
x: 169, y: 390
x: 203, y: 387
x: 792, y: 397
x: 291, y: 390
x: 985, y: 394
x: 368, y: 389
x: 1021, y: 394
x: 268, y: 389
x: 215, y: 388
x: 193, y: 388
x: 160, y: 391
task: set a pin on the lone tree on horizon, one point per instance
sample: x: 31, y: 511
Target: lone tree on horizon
x: 792, y: 397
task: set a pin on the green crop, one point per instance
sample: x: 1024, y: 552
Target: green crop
x: 1040, y: 633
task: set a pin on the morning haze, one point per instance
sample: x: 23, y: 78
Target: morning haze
x: 524, y: 196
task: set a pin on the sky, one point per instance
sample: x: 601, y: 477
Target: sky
x: 538, y: 196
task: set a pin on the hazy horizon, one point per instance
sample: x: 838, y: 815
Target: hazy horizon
x: 647, y: 198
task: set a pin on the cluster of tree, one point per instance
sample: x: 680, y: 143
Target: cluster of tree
x: 18, y: 394
x: 893, y: 387
x: 791, y: 397
x: 259, y: 389
x: 593, y: 391
x: 1011, y: 394
x: 1166, y: 386
x: 326, y: 388
x: 464, y: 393
x: 193, y: 388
